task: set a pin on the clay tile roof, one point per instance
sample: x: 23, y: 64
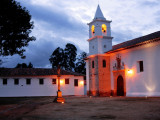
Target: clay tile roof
x: 6, y: 72
x: 135, y: 42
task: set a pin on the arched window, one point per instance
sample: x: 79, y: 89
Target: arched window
x: 104, y: 63
x: 93, y: 29
x: 104, y: 28
x: 92, y: 64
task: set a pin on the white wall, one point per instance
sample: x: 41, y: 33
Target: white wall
x: 96, y: 45
x: 146, y: 83
x: 35, y: 89
x: 93, y: 47
x: 87, y: 74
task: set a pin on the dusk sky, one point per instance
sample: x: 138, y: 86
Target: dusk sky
x: 58, y: 22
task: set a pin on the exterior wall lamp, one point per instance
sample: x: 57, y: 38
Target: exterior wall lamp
x: 130, y: 71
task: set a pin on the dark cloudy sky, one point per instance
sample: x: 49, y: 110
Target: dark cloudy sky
x: 58, y: 22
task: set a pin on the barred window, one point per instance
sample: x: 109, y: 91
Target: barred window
x: 67, y: 81
x: 28, y: 81
x: 76, y: 82
x: 4, y: 81
x: 16, y: 81
x: 53, y: 81
x: 41, y: 81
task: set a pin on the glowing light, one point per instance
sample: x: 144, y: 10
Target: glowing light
x: 93, y: 29
x: 151, y: 87
x: 62, y: 102
x: 104, y: 28
x: 82, y: 82
x: 61, y: 81
x: 130, y: 72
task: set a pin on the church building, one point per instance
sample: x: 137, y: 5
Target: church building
x: 130, y: 68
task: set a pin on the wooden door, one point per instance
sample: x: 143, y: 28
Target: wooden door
x: 120, y: 86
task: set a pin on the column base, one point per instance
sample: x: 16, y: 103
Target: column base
x: 59, y: 98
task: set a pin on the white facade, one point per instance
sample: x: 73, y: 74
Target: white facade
x: 126, y: 60
x: 36, y: 89
x: 87, y: 74
x: 146, y: 83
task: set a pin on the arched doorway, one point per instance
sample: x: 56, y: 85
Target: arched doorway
x: 120, y: 86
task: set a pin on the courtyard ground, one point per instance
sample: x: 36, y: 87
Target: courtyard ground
x: 80, y: 108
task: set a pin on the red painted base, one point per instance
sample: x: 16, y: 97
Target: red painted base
x: 59, y: 98
x: 98, y: 93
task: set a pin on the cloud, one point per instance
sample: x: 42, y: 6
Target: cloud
x: 58, y: 22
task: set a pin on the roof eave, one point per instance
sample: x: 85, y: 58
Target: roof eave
x: 136, y: 45
x: 109, y: 21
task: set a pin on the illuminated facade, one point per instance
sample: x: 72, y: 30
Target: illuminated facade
x: 21, y: 82
x: 130, y: 68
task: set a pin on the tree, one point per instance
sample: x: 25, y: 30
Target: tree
x: 65, y: 58
x: 57, y: 58
x: 70, y: 53
x: 0, y: 62
x: 18, y: 66
x: 15, y: 27
x: 24, y: 65
x: 30, y: 65
x: 80, y: 66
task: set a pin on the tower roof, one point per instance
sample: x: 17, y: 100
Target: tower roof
x: 99, y: 14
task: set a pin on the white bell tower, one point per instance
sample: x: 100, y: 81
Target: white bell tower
x: 100, y: 40
x: 97, y: 62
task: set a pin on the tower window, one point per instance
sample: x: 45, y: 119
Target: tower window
x: 93, y: 29
x: 104, y: 28
x: 93, y: 47
x: 16, y: 81
x: 140, y: 66
x: 104, y: 46
x: 92, y: 64
x: 104, y: 63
